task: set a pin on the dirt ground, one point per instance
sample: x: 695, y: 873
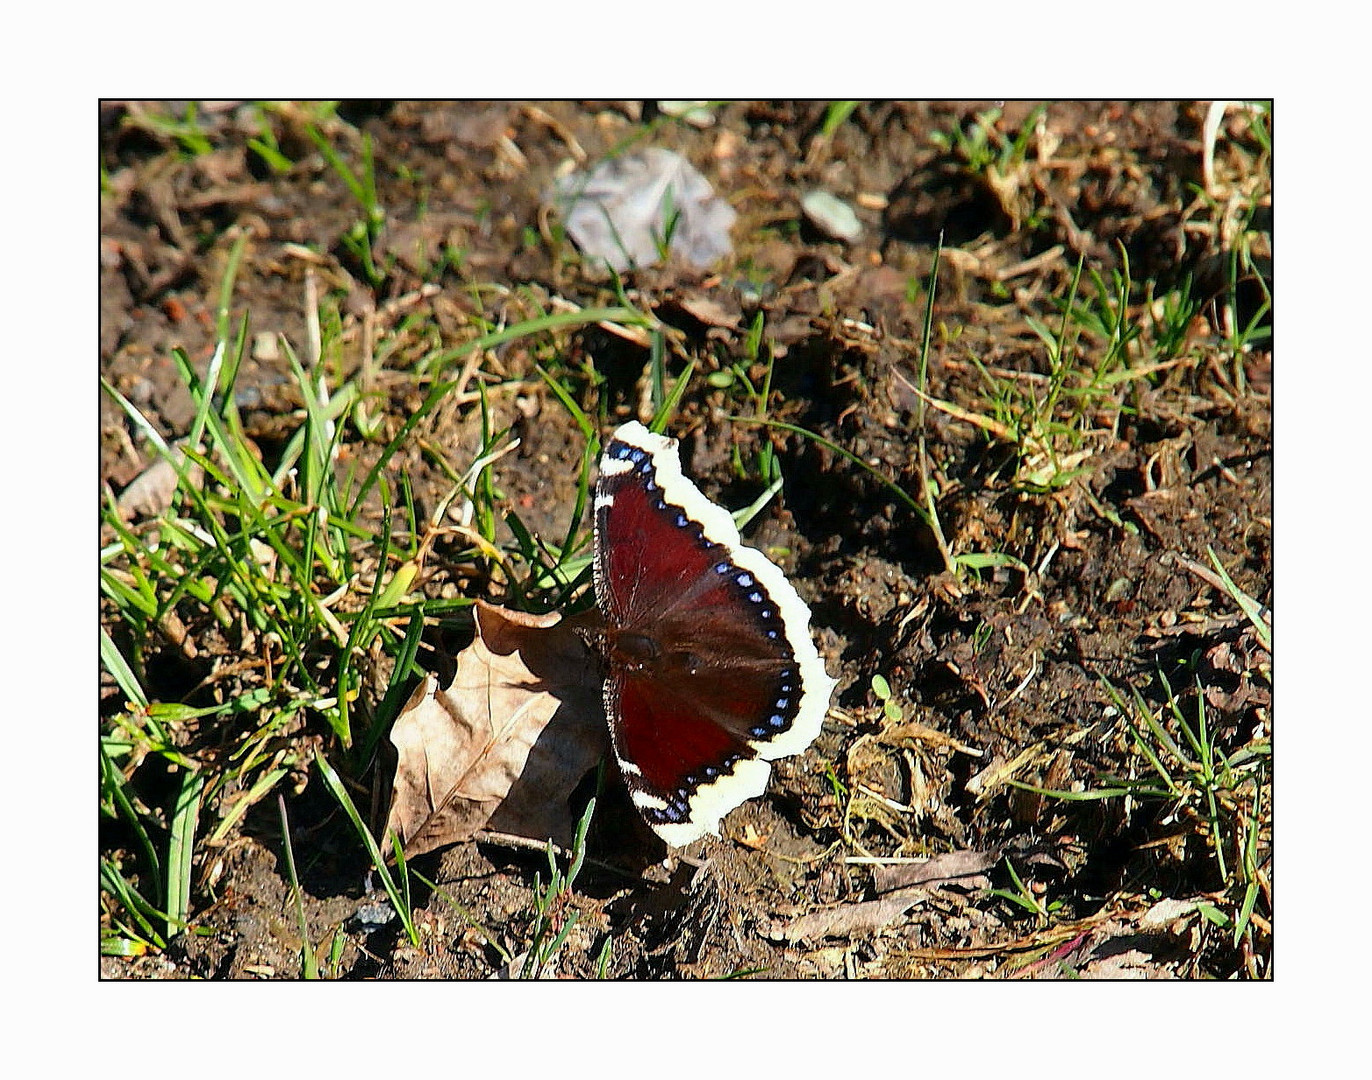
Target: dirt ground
x: 999, y: 670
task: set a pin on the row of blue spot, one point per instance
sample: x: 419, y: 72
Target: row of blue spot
x: 778, y: 721
x: 746, y: 580
x: 677, y: 808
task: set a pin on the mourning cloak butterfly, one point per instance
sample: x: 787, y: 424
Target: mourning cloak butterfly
x: 710, y: 671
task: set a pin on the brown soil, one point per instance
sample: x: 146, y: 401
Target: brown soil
x: 1001, y: 674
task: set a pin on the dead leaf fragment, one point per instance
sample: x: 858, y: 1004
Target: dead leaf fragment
x: 851, y: 918
x: 153, y: 490
x: 901, y: 887
x: 506, y: 743
x: 963, y: 868
x: 1166, y: 915
x: 710, y: 311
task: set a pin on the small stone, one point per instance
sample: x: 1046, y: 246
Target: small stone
x: 265, y: 346
x: 372, y: 916
x: 831, y: 216
x: 695, y: 113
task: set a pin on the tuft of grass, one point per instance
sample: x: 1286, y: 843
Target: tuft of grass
x: 185, y: 130
x: 554, y: 918
x: 1171, y: 317
x: 362, y: 237
x: 239, y: 624
x: 956, y: 562
x: 984, y: 147
x: 1093, y: 360
x: 999, y: 160
x: 1217, y: 796
x: 1243, y: 267
x: 1026, y: 897
x: 267, y: 146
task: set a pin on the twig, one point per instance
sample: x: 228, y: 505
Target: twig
x: 525, y: 843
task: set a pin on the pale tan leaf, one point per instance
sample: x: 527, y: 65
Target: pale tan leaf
x: 505, y: 744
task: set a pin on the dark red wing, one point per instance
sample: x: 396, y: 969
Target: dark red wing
x: 710, y: 671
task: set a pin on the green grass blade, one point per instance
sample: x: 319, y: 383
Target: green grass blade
x: 146, y: 915
x: 1250, y: 607
x: 118, y: 667
x: 310, y: 969
x: 181, y: 851
x: 114, y: 787
x: 568, y: 402
x: 890, y: 485
x: 397, y: 897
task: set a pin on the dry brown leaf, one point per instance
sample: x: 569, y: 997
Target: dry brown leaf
x: 506, y: 743
x: 1166, y: 915
x: 1131, y: 964
x: 1100, y: 955
x: 901, y: 886
x: 850, y: 919
x: 964, y: 868
x: 710, y: 311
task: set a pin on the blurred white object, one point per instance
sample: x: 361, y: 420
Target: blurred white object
x: 831, y: 215
x: 623, y: 210
x: 695, y: 113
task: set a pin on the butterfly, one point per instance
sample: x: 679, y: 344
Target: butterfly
x: 710, y: 669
